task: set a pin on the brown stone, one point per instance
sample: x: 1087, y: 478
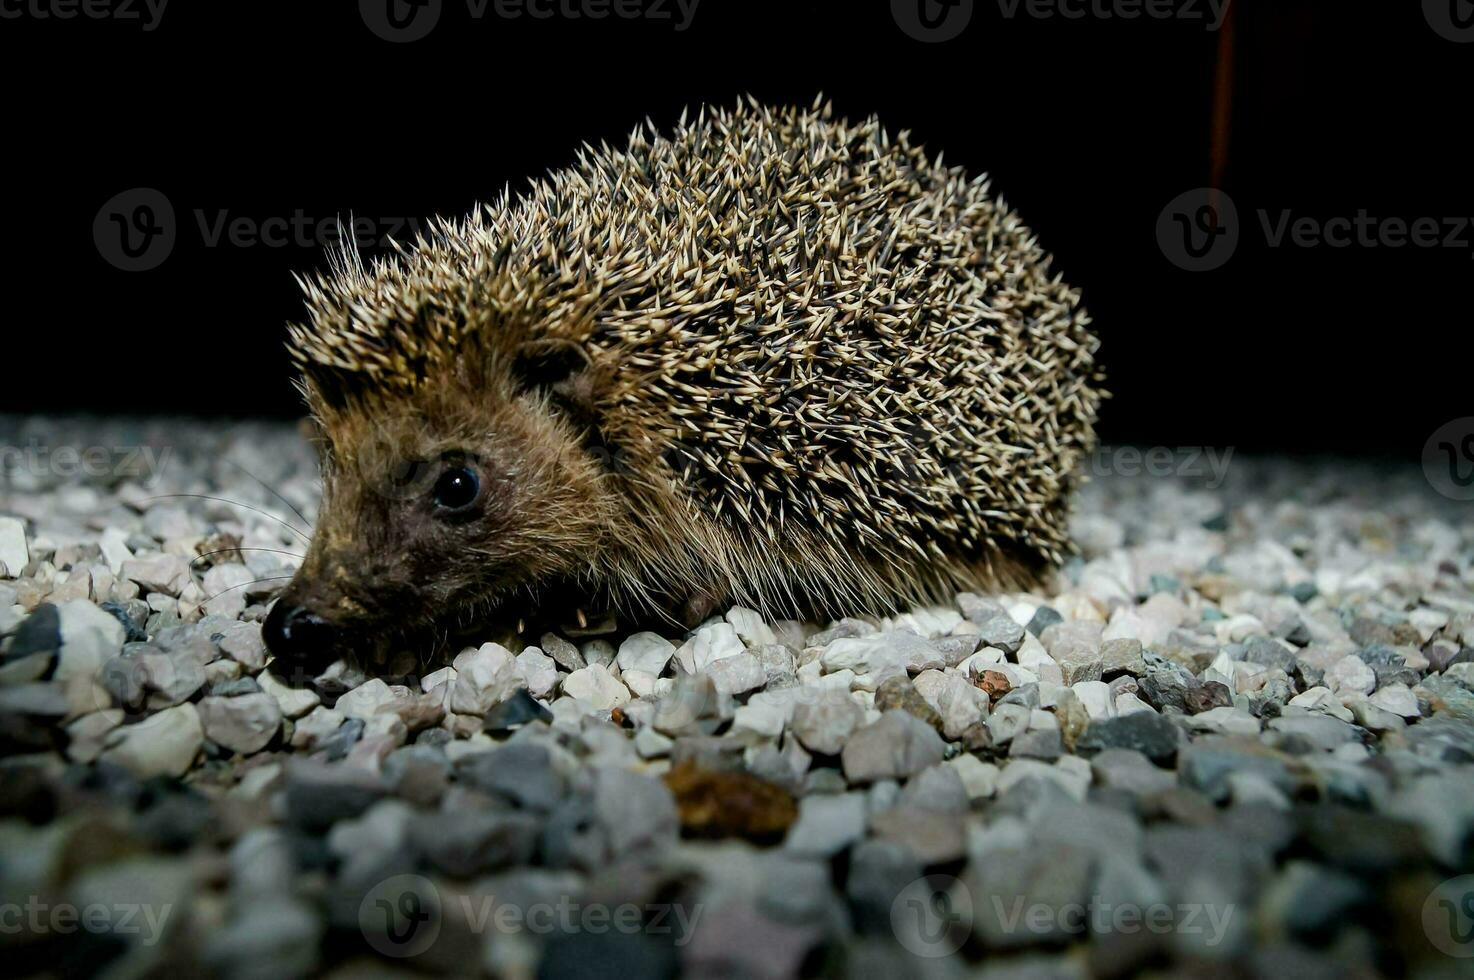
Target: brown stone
x: 899, y: 694
x: 730, y: 804
x: 995, y: 683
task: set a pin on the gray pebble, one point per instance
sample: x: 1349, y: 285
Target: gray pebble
x: 1122, y: 656
x: 318, y: 795
x: 1130, y: 771
x: 825, y: 723
x: 1023, y: 878
x: 1206, y: 764
x: 827, y: 824
x: 464, y: 843
x: 1001, y: 631
x: 1044, y: 744
x: 564, y: 653
x: 520, y: 773
x: 879, y: 870
x: 896, y: 746
x: 938, y: 789
x: 1044, y: 617
x: 243, y: 723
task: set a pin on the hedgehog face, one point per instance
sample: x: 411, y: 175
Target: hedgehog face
x: 426, y: 526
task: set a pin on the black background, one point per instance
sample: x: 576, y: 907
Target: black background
x: 1089, y: 128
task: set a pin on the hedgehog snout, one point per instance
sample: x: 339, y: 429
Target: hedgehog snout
x: 301, y: 639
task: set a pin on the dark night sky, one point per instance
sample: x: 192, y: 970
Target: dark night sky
x: 1089, y: 127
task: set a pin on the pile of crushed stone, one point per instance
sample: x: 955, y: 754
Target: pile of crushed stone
x: 1235, y: 738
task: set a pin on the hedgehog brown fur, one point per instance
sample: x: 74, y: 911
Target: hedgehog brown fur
x: 773, y: 358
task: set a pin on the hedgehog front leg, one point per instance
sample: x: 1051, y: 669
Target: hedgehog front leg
x: 698, y: 607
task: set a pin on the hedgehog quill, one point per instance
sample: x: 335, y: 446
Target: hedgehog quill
x: 772, y: 358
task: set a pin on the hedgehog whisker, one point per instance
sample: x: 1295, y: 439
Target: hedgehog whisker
x: 226, y: 551
x: 269, y: 578
x: 236, y: 503
x: 268, y: 488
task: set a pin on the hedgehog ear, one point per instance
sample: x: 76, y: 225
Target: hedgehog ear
x: 558, y: 367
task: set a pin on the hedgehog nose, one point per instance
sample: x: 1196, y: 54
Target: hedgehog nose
x: 301, y: 639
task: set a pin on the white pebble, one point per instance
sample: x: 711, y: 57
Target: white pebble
x: 648, y: 652
x: 596, y: 688
x: 1398, y: 699
x: 13, y: 552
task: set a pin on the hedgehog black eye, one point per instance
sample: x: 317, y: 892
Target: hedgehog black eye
x: 457, y: 489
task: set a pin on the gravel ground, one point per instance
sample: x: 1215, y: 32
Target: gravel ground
x: 1234, y: 739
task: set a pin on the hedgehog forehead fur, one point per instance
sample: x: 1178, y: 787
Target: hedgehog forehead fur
x: 850, y: 362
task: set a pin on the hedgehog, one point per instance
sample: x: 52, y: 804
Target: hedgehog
x: 775, y: 359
